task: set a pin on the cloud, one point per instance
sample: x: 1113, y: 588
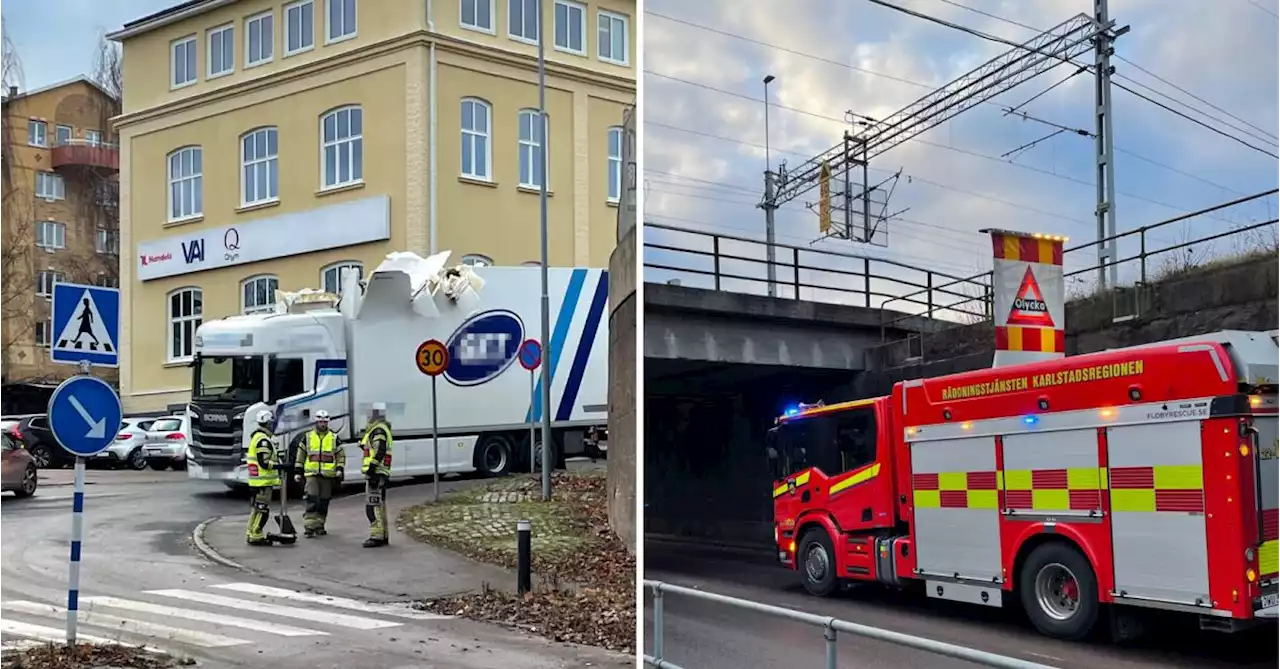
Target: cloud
x: 704, y: 122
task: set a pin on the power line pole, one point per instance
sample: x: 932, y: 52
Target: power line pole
x: 769, y: 205
x: 547, y: 450
x: 1106, y: 212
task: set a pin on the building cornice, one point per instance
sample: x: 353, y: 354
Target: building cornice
x: 416, y: 39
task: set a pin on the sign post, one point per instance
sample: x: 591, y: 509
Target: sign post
x: 530, y: 359
x: 84, y: 412
x: 433, y: 359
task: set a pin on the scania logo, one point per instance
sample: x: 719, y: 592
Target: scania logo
x: 215, y: 418
x: 483, y: 347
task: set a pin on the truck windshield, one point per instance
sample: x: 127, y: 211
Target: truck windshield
x: 227, y: 379
x: 834, y: 443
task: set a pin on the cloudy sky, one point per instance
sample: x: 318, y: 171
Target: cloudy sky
x: 704, y: 124
x: 58, y: 39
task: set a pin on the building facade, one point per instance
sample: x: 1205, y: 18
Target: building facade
x: 60, y: 222
x: 273, y: 145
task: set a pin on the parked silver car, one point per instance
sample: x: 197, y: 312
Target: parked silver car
x: 167, y: 442
x: 128, y: 448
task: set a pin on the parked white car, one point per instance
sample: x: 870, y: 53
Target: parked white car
x: 167, y: 442
x: 128, y: 448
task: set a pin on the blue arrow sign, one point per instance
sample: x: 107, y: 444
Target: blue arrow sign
x: 530, y: 354
x: 84, y: 414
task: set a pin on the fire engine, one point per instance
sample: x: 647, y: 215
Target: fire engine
x: 1136, y: 477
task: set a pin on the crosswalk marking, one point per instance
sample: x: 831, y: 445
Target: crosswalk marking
x: 90, y: 603
x: 337, y: 602
x: 47, y: 634
x: 129, y: 625
x: 340, y: 619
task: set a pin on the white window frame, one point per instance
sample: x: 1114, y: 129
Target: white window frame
x: 486, y: 135
x: 71, y: 134
x: 42, y: 136
x: 462, y: 7
x: 269, y: 161
x: 273, y: 284
x: 477, y: 260
x: 329, y: 37
x: 45, y: 327
x: 49, y: 276
x: 196, y: 177
x: 212, y: 36
x: 569, y: 6
x: 342, y: 144
x: 59, y: 186
x: 106, y: 242
x: 523, y: 145
x: 172, y: 319
x: 626, y: 37
x: 310, y: 27
x: 60, y: 230
x: 106, y: 281
x: 524, y: 10
x: 337, y: 268
x: 188, y: 45
x: 267, y: 37
x: 94, y: 138
x: 613, y: 189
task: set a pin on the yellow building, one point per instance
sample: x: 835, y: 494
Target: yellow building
x: 271, y: 144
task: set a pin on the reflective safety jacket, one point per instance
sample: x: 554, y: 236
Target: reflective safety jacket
x: 262, y: 460
x: 322, y: 455
x: 376, y: 444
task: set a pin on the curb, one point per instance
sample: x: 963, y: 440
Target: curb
x: 197, y: 537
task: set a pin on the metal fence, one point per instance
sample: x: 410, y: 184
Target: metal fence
x: 800, y: 271
x: 831, y: 629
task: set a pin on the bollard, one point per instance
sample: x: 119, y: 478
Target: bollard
x: 524, y: 558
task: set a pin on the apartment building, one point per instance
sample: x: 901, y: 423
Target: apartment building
x: 273, y: 145
x: 60, y: 222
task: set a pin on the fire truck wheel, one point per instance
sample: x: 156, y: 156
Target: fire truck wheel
x: 1059, y: 591
x: 817, y: 562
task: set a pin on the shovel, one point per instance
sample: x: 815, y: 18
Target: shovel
x: 287, y: 534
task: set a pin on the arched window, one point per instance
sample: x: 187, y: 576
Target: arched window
x: 530, y: 149
x: 615, y: 163
x: 476, y: 150
x: 258, y: 294
x: 186, y: 183
x: 331, y: 276
x: 186, y: 313
x: 477, y: 260
x: 260, y: 169
x: 342, y: 147
x: 531, y: 263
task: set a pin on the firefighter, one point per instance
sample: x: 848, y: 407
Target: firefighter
x: 322, y: 461
x: 264, y: 478
x: 376, y: 466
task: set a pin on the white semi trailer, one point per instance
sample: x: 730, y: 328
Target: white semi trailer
x: 343, y: 355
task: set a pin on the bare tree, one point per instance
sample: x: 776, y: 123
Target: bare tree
x: 99, y: 194
x: 16, y: 261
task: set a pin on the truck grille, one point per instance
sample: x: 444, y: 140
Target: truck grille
x: 217, y: 442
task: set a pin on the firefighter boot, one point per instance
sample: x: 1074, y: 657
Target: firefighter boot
x: 372, y: 542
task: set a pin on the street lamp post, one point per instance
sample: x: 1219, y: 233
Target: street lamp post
x: 546, y: 300
x: 769, y: 207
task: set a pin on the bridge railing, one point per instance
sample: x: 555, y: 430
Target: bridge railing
x: 831, y: 629
x: 739, y: 264
x: 1142, y: 258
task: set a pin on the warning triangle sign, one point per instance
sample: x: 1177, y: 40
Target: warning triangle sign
x: 1029, y: 307
x: 85, y: 331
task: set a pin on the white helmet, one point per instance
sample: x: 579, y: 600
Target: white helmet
x: 264, y: 417
x: 322, y: 415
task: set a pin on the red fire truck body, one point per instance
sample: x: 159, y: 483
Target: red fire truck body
x: 1144, y: 476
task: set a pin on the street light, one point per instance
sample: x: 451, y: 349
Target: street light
x: 772, y: 271
x: 546, y: 301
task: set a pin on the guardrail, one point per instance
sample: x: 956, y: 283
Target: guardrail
x: 831, y: 628
x: 873, y: 278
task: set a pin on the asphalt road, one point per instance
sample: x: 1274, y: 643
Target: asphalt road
x: 712, y: 636
x: 143, y: 582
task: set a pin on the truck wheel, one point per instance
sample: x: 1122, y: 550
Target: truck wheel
x: 1059, y: 591
x: 817, y: 562
x: 493, y: 455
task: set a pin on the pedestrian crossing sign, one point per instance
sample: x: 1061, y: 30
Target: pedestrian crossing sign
x: 86, y: 325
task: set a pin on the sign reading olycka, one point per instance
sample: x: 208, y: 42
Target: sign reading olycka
x: 1027, y: 297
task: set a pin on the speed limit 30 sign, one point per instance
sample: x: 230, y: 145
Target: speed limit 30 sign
x: 432, y: 357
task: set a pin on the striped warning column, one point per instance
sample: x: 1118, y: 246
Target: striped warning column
x: 1027, y: 296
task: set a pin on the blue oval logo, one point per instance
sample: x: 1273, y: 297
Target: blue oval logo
x: 483, y: 347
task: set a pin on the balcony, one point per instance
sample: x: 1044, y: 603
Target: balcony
x: 79, y: 153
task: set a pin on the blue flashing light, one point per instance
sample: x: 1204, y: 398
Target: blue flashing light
x: 1030, y: 420
x: 791, y: 411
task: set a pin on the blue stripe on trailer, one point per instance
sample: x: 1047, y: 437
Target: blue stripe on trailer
x: 75, y: 551
x: 73, y: 600
x: 551, y: 356
x: 583, y: 354
x: 77, y: 502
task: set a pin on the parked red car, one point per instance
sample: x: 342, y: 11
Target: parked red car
x: 17, y: 468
